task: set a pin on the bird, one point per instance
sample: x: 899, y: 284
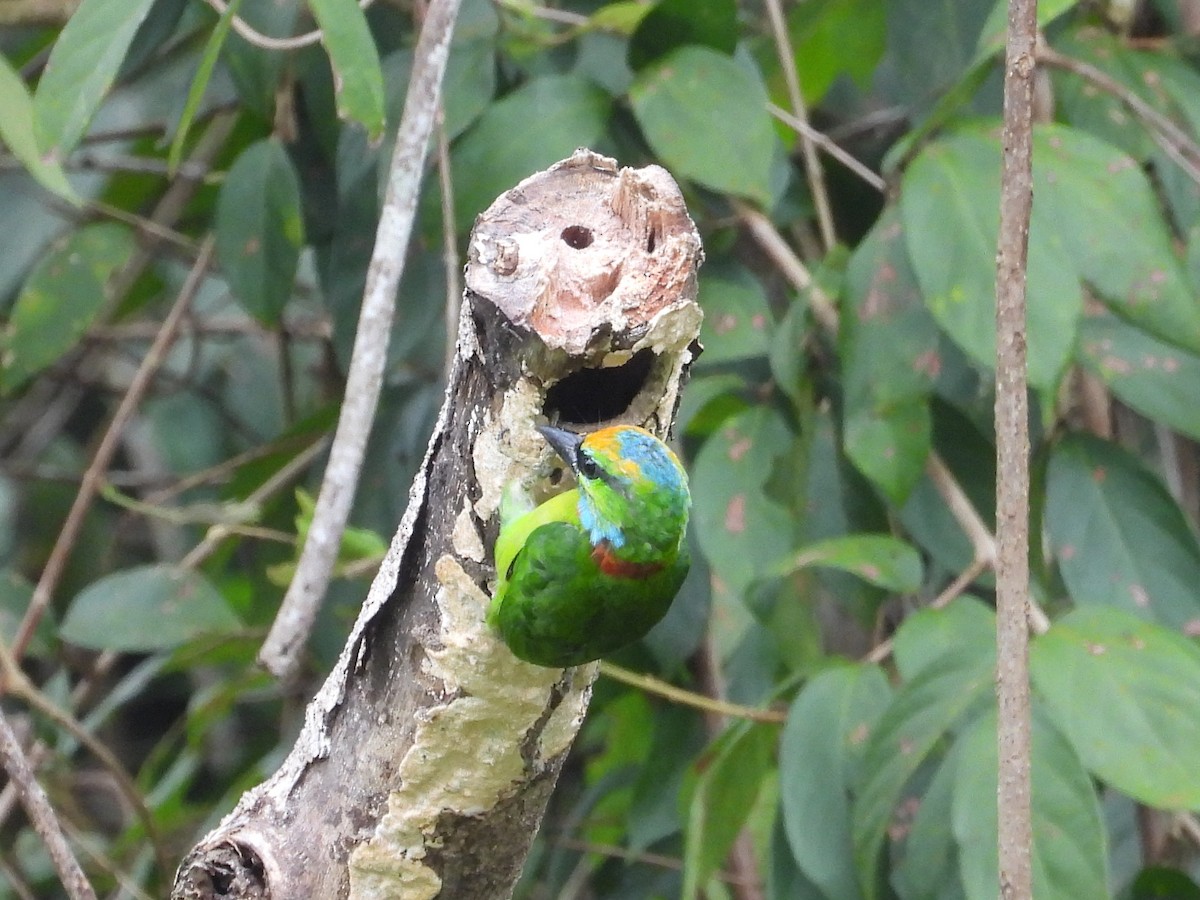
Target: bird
x: 594, y: 568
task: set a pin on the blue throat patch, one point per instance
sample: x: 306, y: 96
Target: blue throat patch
x: 598, y: 528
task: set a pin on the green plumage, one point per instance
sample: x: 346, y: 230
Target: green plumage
x: 593, y: 569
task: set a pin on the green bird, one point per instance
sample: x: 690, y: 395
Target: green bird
x: 594, y: 568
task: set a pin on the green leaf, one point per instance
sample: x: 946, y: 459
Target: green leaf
x: 739, y: 528
x: 1113, y: 233
x: 820, y: 756
x: 676, y: 101
x: 1102, y: 113
x: 1142, y: 735
x: 671, y: 24
x: 950, y: 208
x: 1119, y: 538
x: 81, y: 68
x: 835, y: 37
x: 1161, y: 883
x: 146, y: 608
x: 930, y: 45
x: 928, y: 865
x: 929, y: 634
x: 889, y: 351
x: 259, y: 229
x: 724, y: 795
x: 737, y: 320
x: 1069, y: 859
x: 878, y: 559
x: 924, y: 709
x: 212, y: 50
x: 60, y: 300
x: 534, y: 126
x: 1157, y: 379
x: 357, y: 76
x: 16, y: 131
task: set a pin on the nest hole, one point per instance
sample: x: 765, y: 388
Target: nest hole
x: 591, y: 396
x: 577, y: 237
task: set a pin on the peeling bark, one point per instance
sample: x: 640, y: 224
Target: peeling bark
x: 426, y: 759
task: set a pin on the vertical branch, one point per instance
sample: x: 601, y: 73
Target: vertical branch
x: 1015, y: 835
x: 280, y: 652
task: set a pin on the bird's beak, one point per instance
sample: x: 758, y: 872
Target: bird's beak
x: 565, y: 443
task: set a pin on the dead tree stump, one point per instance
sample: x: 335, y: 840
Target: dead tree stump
x: 426, y: 759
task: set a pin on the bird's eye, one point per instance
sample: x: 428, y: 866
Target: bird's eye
x: 588, y: 467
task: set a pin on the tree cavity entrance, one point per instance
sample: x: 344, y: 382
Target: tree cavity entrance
x: 591, y: 396
x: 577, y: 237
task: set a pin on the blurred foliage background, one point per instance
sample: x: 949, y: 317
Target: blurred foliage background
x: 178, y: 163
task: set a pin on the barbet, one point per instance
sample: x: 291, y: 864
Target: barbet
x: 594, y: 568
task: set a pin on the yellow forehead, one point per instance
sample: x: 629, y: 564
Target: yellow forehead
x: 612, y: 444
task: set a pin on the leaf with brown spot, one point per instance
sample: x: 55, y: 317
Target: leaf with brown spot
x: 820, y: 753
x: 259, y: 229
x: 1118, y: 536
x: 741, y: 530
x: 887, y: 344
x: 951, y: 688
x: 1157, y: 379
x: 1142, y: 738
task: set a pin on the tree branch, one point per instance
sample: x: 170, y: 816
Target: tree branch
x: 1014, y: 791
x: 281, y: 651
x: 427, y: 757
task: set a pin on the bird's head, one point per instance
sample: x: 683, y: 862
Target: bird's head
x: 633, y: 491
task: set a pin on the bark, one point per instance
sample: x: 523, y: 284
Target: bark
x: 1014, y: 734
x: 427, y: 757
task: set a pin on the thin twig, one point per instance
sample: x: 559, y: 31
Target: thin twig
x: 949, y: 594
x: 301, y: 328
x: 1175, y: 142
x: 802, y: 128
x: 41, y: 814
x: 983, y: 544
x: 812, y: 162
x: 223, y: 469
x: 546, y: 13
x: 660, y: 688
x: 15, y: 881
x: 93, y: 477
x: 1014, y: 729
x: 650, y: 859
x: 104, y: 862
x: 780, y: 253
x: 265, y: 41
x: 450, y: 261
x: 219, y: 532
x: 80, y: 695
x: 280, y: 653
x: 17, y: 684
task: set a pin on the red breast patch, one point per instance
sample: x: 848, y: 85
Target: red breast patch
x: 619, y: 568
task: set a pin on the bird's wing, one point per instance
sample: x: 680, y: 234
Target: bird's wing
x: 561, y: 508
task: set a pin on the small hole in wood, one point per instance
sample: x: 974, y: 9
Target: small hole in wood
x: 591, y: 396
x: 577, y: 237
x: 652, y: 241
